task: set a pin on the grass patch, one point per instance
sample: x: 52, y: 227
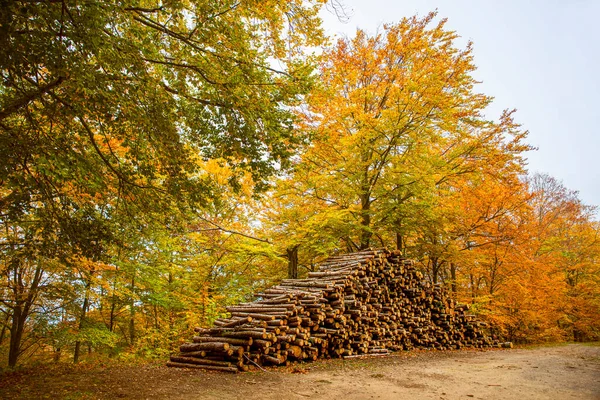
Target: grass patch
x: 589, y: 344
x: 534, y: 346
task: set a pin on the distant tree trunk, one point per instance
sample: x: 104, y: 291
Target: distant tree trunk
x: 292, y: 256
x: 400, y: 245
x: 113, y: 300
x: 155, y: 308
x: 435, y: 269
x: 399, y: 242
x: 82, y: 317
x: 577, y: 335
x: 204, y: 297
x: 113, y: 306
x: 57, y: 353
x: 170, y: 311
x: 453, y: 277
x: 350, y: 245
x: 23, y: 301
x: 16, y: 334
x: 365, y: 234
x: 132, y: 312
x: 4, y: 325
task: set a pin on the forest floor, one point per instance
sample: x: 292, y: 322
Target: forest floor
x: 551, y: 372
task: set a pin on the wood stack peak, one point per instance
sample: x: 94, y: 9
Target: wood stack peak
x: 368, y: 302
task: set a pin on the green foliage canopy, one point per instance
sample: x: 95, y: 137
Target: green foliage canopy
x: 102, y: 100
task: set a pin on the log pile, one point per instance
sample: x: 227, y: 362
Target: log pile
x: 370, y: 302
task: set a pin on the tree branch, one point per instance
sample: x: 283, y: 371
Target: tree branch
x: 29, y: 97
x: 232, y: 232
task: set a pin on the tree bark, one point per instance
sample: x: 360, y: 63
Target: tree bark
x: 4, y: 325
x: 113, y: 306
x: 22, y: 306
x: 365, y: 222
x: 292, y: 256
x: 399, y: 242
x: 132, y: 312
x: 113, y: 303
x: 16, y: 334
x: 435, y: 269
x: 82, y: 317
x: 453, y: 277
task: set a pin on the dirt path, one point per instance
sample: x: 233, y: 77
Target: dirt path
x: 560, y: 372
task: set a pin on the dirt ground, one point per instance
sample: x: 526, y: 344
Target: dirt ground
x: 556, y: 372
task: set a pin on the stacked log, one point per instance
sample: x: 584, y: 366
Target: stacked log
x: 369, y: 302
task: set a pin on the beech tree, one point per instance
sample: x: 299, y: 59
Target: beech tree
x: 397, y: 118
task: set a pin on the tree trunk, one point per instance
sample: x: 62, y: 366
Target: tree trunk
x: 4, y: 325
x: 292, y: 256
x: 84, y: 307
x: 365, y: 222
x: 132, y: 312
x: 113, y: 306
x: 399, y: 242
x: 453, y: 277
x: 113, y: 300
x: 435, y: 269
x: 57, y: 353
x: 16, y: 334
x: 170, y: 310
x: 21, y: 309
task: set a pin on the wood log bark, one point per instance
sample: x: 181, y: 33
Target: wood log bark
x: 209, y: 346
x: 205, y: 367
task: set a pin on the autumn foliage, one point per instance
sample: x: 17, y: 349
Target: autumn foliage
x: 161, y: 160
x: 403, y: 156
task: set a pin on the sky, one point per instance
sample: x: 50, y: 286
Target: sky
x: 540, y: 57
